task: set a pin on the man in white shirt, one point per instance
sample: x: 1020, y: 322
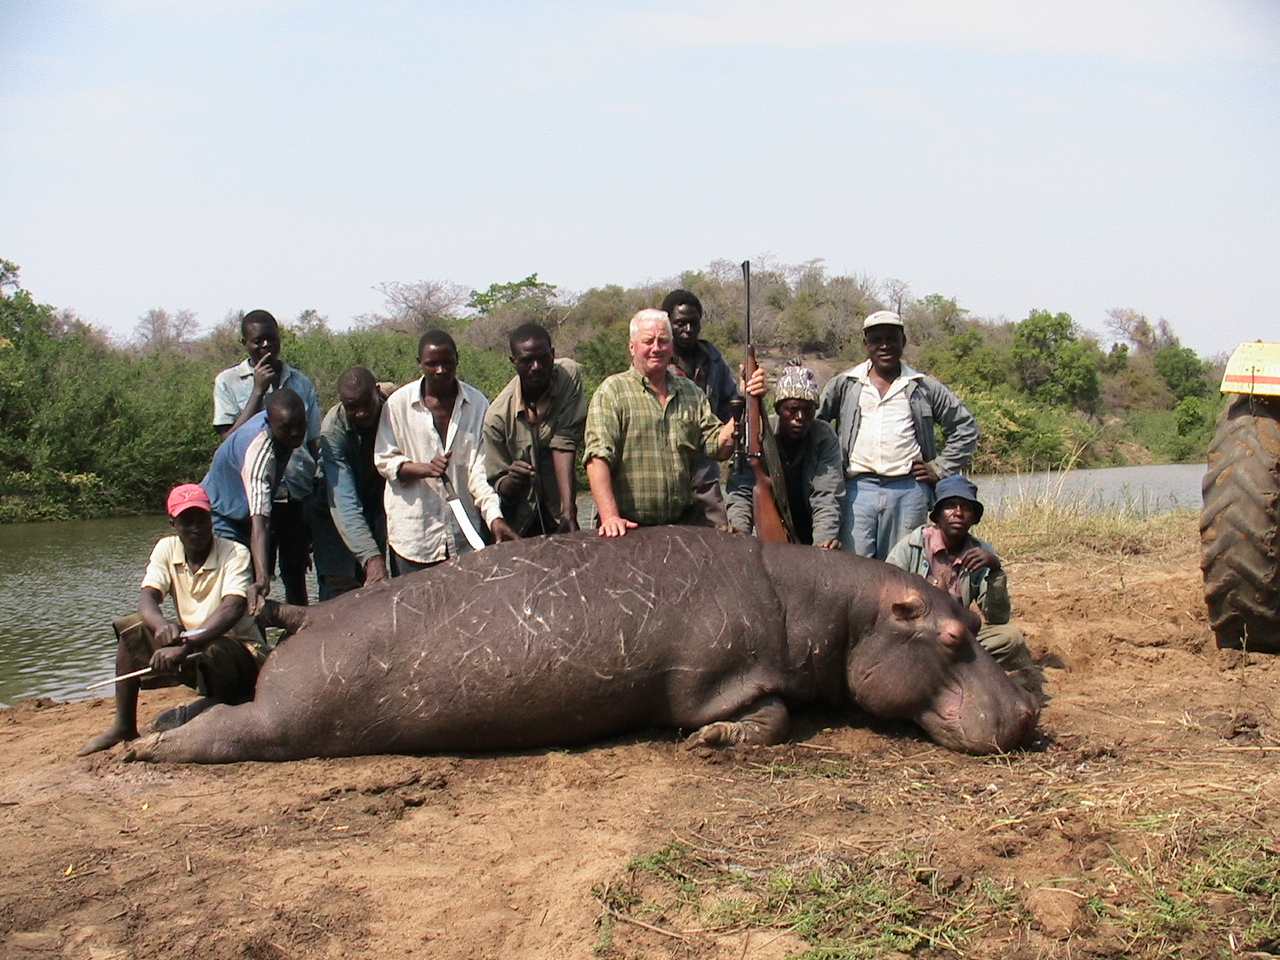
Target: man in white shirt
x: 430, y: 450
x: 885, y: 414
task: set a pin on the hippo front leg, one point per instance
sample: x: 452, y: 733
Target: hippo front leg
x: 764, y: 722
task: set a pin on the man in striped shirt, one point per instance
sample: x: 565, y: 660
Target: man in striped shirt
x: 244, y: 475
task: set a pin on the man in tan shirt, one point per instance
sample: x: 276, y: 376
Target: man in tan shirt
x: 213, y: 646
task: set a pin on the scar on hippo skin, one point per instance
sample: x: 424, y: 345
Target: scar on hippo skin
x: 765, y: 722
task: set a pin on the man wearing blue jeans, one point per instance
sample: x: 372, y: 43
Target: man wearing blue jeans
x: 884, y: 413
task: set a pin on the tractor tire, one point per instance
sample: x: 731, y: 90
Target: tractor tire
x: 1238, y: 526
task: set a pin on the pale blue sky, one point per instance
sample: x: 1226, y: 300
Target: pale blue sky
x: 1071, y: 155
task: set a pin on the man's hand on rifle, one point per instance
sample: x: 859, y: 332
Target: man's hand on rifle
x: 758, y: 385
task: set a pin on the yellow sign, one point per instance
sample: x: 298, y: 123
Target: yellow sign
x: 1253, y: 368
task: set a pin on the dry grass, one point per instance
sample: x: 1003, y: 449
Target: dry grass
x: 1046, y: 529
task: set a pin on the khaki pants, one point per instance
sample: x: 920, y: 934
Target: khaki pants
x: 1006, y: 643
x: 224, y: 669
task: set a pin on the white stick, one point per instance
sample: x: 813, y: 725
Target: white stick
x: 123, y: 676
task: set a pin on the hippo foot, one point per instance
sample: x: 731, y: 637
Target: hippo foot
x: 766, y: 721
x: 143, y: 748
x: 724, y: 733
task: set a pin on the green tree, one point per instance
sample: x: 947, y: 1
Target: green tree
x: 529, y: 293
x: 966, y: 361
x: 1053, y: 364
x: 1182, y: 370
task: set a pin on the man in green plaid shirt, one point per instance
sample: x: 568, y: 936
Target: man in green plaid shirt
x: 646, y: 428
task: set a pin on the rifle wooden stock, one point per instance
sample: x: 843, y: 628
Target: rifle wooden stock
x: 770, y: 527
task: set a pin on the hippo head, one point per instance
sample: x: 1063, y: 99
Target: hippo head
x: 920, y: 662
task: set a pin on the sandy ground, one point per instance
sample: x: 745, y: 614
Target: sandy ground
x: 1152, y: 739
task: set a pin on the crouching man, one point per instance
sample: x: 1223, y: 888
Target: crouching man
x: 213, y: 647
x: 948, y: 556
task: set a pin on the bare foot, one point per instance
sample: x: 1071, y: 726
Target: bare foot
x: 105, y: 741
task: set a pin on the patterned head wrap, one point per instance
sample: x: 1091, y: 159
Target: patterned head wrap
x: 796, y: 383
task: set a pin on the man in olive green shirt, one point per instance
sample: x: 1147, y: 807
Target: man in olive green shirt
x: 532, y: 433
x: 645, y: 432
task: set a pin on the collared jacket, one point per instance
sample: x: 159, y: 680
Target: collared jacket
x: 714, y: 376
x: 990, y: 591
x: 822, y: 472
x: 354, y: 488
x: 932, y: 404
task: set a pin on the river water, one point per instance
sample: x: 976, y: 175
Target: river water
x: 61, y: 584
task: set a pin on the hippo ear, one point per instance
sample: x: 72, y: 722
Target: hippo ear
x: 912, y: 607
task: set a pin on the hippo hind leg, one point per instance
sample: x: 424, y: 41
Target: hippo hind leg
x: 764, y: 722
x: 221, y: 734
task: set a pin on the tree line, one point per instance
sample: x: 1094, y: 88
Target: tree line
x: 94, y: 427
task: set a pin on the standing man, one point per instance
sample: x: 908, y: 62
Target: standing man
x: 948, y: 556
x: 532, y: 433
x: 350, y: 524
x: 245, y: 474
x: 701, y: 362
x: 213, y: 645
x: 885, y: 413
x: 811, y: 463
x: 428, y: 448
x: 646, y: 429
x: 239, y: 393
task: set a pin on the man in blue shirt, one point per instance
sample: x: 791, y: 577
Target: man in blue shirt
x: 245, y: 474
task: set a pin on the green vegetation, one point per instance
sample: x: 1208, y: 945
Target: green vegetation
x: 845, y: 908
x: 1205, y: 887
x: 89, y: 427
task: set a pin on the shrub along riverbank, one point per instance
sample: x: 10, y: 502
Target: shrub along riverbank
x: 89, y: 427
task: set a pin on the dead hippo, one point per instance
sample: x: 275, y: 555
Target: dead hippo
x: 568, y: 639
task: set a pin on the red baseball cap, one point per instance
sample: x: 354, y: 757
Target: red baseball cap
x: 187, y: 495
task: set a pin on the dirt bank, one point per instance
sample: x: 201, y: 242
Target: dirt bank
x: 1146, y: 822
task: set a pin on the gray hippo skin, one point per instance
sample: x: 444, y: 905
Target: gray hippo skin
x: 568, y: 639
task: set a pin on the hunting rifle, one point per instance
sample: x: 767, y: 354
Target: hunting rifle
x: 768, y: 499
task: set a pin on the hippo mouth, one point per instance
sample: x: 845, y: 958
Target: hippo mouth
x: 980, y: 722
